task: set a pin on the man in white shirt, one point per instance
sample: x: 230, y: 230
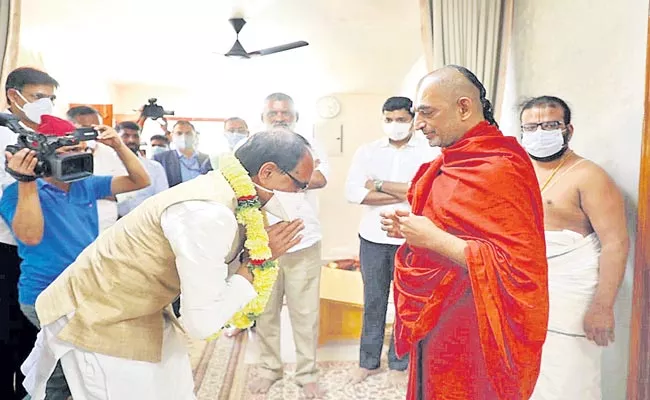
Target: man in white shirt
x: 29, y: 93
x: 130, y: 134
x: 106, y: 162
x: 299, y: 277
x: 378, y: 179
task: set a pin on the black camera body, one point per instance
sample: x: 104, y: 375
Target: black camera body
x: 63, y: 167
x: 154, y: 111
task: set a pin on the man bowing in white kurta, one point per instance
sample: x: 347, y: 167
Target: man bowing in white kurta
x: 105, y: 318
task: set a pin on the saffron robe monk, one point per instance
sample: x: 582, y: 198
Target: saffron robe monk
x: 471, y: 280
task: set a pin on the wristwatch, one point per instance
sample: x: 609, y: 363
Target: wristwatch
x: 378, y: 185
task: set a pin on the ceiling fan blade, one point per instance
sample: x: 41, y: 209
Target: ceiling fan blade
x: 277, y: 49
x: 237, y: 50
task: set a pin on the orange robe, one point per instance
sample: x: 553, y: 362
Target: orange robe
x: 475, y: 332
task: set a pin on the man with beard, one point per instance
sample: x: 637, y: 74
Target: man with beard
x: 300, y: 268
x: 130, y: 134
x: 471, y: 291
x: 586, y: 245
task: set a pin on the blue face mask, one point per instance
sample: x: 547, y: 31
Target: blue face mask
x: 157, y: 150
x: 234, y: 138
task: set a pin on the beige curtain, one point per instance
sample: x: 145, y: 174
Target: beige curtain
x: 9, y: 44
x: 472, y: 33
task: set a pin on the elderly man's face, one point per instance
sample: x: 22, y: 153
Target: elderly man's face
x: 437, y: 115
x: 279, y: 114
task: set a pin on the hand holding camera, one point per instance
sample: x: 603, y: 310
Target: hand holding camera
x: 108, y: 136
x: 35, y: 154
x: 23, y: 162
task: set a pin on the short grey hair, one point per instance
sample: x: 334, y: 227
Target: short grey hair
x: 278, y: 96
x: 279, y: 146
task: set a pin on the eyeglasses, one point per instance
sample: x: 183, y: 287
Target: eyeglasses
x: 302, y: 186
x: 546, y: 126
x: 38, y: 96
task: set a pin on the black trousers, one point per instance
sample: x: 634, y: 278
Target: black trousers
x: 377, y: 266
x: 17, y: 334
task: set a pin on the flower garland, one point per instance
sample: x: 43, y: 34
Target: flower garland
x: 250, y: 215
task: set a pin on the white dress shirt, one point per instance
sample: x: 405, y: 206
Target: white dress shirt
x: 200, y: 234
x: 107, y: 163
x: 308, y: 212
x: 7, y: 137
x: 383, y: 161
x: 130, y: 200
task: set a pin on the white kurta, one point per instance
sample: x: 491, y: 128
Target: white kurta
x: 571, y: 364
x: 200, y: 234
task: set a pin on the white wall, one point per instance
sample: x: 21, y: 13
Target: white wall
x: 360, y: 117
x: 592, y: 54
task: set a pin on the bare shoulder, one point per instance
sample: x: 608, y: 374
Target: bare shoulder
x: 590, y: 176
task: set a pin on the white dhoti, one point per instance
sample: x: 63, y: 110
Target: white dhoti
x: 93, y: 376
x: 571, y: 364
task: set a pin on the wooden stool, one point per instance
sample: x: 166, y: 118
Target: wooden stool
x: 341, y: 305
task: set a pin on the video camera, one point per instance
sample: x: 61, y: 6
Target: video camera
x: 64, y: 167
x: 154, y: 111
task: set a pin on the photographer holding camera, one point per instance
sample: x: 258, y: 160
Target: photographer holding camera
x: 53, y: 221
x: 29, y: 93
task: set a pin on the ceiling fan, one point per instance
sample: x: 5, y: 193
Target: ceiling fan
x: 237, y: 50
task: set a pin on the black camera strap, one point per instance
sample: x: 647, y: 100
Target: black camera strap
x: 20, y: 177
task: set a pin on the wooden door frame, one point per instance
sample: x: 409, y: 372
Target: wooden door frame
x: 638, y: 382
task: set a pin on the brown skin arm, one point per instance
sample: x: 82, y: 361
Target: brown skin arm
x: 137, y: 177
x: 603, y: 203
x: 28, y: 224
x: 396, y: 189
x: 380, y: 199
x: 421, y: 232
x: 374, y: 198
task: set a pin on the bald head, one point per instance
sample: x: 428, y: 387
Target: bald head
x: 450, y: 84
x: 450, y: 101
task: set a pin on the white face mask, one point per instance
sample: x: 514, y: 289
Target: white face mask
x: 234, y: 138
x: 156, y: 150
x: 183, y: 142
x: 91, y: 144
x: 397, y: 130
x: 34, y: 111
x: 543, y: 143
x: 283, y: 205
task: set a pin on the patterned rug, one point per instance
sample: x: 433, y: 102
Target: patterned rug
x: 213, y: 365
x: 221, y: 374
x: 334, y: 376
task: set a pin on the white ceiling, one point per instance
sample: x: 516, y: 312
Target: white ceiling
x: 365, y: 46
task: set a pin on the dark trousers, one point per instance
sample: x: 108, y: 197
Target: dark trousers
x: 17, y: 334
x: 377, y: 265
x: 176, y: 305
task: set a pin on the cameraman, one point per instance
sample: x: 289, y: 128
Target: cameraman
x: 54, y: 221
x: 29, y: 94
